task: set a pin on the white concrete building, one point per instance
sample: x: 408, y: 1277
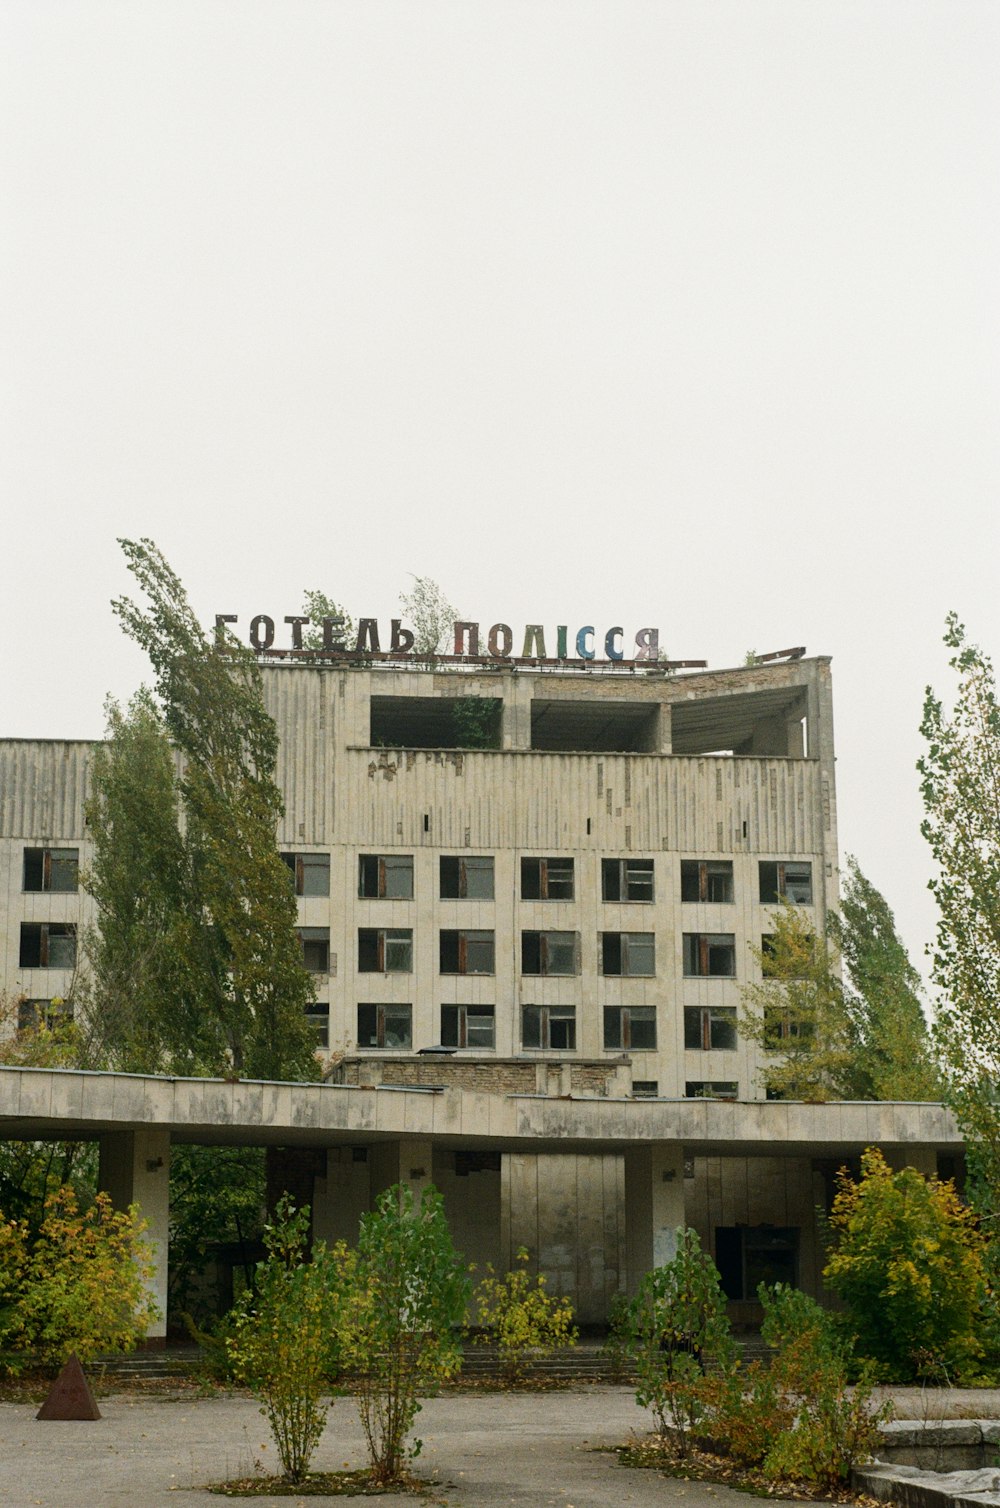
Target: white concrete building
x: 571, y: 912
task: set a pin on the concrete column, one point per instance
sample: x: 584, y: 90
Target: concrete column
x: 135, y: 1169
x: 666, y: 728
x: 654, y: 1206
x: 408, y: 1161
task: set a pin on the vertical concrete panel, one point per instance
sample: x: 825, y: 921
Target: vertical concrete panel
x: 135, y: 1169
x: 342, y: 1197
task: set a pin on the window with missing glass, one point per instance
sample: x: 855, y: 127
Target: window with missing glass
x: 468, y: 1026
x: 549, y: 953
x: 310, y: 872
x: 54, y: 869
x: 631, y: 954
x: 466, y: 952
x: 549, y: 1026
x: 385, y: 950
x: 710, y: 1028
x: 627, y: 880
x: 710, y: 955
x: 630, y: 1028
x: 315, y: 949
x: 711, y: 1089
x: 707, y: 880
x: 547, y: 879
x: 47, y: 945
x: 318, y: 1016
x: 386, y: 876
x: 385, y: 1026
x: 785, y: 880
x: 466, y: 877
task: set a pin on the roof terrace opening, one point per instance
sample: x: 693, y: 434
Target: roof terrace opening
x: 596, y: 726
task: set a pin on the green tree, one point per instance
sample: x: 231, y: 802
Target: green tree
x: 80, y: 1285
x: 285, y: 1346
x: 798, y: 1014
x: 316, y: 606
x: 960, y: 785
x: 225, y: 972
x: 399, y: 1323
x: 521, y: 1319
x: 891, y: 1040
x: 430, y: 616
x: 218, y: 1203
x: 907, y: 1261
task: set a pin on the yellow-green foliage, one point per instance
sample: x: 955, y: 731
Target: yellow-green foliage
x: 285, y: 1346
x: 521, y: 1319
x: 81, y: 1286
x: 907, y: 1261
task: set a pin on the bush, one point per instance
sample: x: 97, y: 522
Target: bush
x: 677, y: 1328
x: 407, y: 1296
x: 907, y: 1261
x: 80, y: 1286
x: 521, y: 1319
x: 285, y: 1344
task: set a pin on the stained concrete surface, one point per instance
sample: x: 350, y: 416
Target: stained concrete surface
x: 531, y: 1450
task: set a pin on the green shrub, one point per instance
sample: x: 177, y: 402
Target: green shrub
x: 521, y: 1319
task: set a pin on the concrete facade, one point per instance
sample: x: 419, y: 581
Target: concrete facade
x: 572, y: 912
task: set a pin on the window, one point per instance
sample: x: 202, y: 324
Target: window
x: 386, y: 876
x: 628, y: 953
x: 318, y: 1016
x: 549, y: 953
x: 645, y: 1089
x: 388, y: 1026
x: 385, y: 950
x: 707, y: 880
x: 468, y: 1026
x: 783, y: 1024
x: 467, y: 878
x: 710, y: 1028
x: 31, y: 1014
x: 549, y: 1026
x: 310, y: 872
x: 710, y: 954
x: 546, y: 879
x: 51, y: 868
x: 466, y: 953
x: 630, y: 1027
x: 786, y: 882
x: 48, y: 945
x: 748, y: 1255
x: 316, y: 949
x: 710, y: 1089
x: 627, y: 879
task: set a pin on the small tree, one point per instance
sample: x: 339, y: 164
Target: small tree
x: 431, y: 615
x: 80, y: 1286
x: 521, y: 1319
x: 316, y: 606
x: 408, y: 1294
x: 907, y: 1261
x: 286, y: 1341
x: 677, y: 1329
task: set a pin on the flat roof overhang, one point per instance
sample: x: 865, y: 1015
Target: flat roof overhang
x: 61, y: 1104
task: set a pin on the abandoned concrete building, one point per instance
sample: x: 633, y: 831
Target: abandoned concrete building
x: 547, y: 932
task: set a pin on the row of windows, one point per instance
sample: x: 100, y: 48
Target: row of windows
x: 390, y: 877
x: 390, y: 1026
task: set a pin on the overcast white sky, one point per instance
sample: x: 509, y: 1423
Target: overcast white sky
x: 681, y: 314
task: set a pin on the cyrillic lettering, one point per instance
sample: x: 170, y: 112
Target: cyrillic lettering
x: 581, y: 642
x: 467, y: 638
x: 500, y: 631
x: 561, y: 651
x: 221, y: 619
x: 534, y: 642
x: 368, y: 637
x: 647, y: 644
x: 402, y: 638
x: 609, y: 643
x: 297, y: 624
x: 331, y: 635
x: 262, y: 631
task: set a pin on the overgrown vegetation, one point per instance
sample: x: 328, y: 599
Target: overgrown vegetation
x: 523, y: 1321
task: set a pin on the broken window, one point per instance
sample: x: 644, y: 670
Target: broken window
x: 710, y: 1028
x: 549, y: 953
x: 748, y: 1255
x: 56, y: 869
x: 630, y: 1027
x: 468, y: 1026
x: 383, y: 876
x: 385, y: 950
x: 48, y: 945
x: 310, y: 872
x: 316, y: 949
x: 318, y: 1016
x: 710, y: 954
x: 466, y: 952
x: 546, y: 879
x: 627, y: 879
x: 549, y: 1026
x: 711, y: 1089
x: 32, y: 1014
x: 645, y: 1089
x: 707, y: 880
x: 632, y: 954
x: 436, y: 722
x: 386, y: 1026
x: 467, y: 878
x: 785, y: 881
